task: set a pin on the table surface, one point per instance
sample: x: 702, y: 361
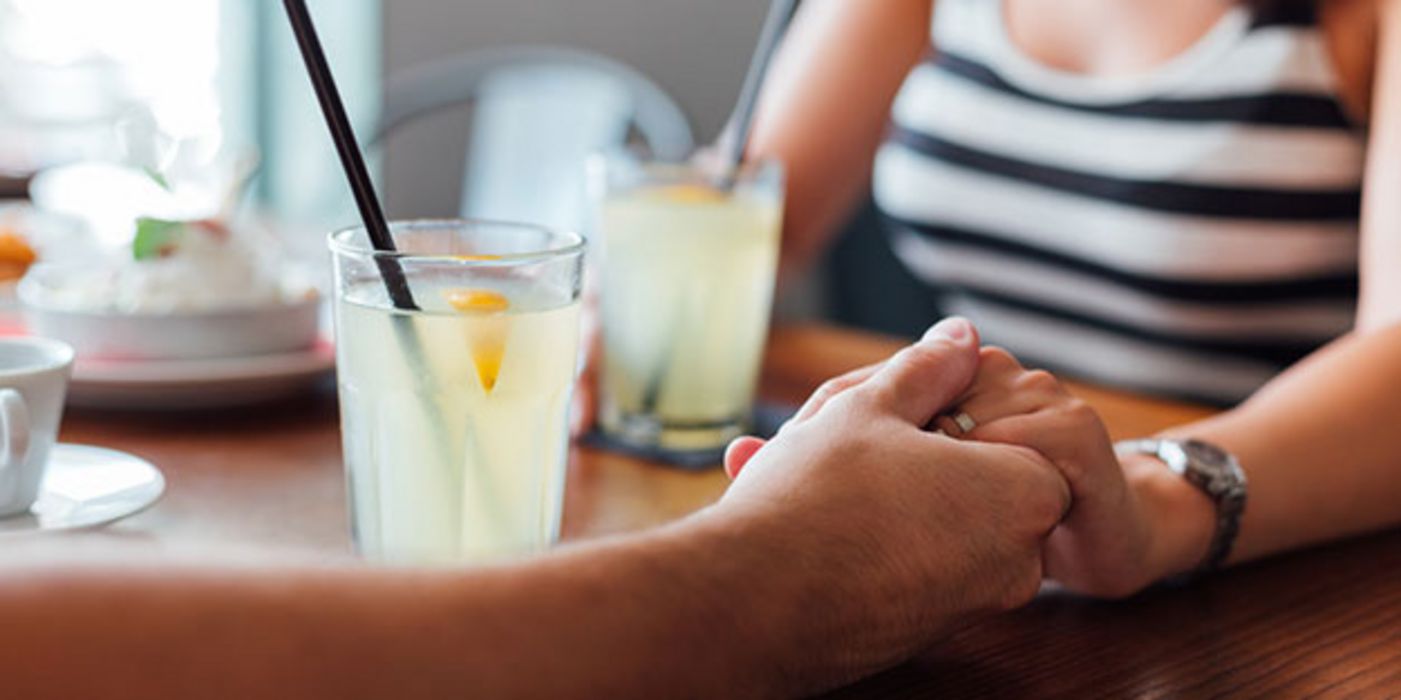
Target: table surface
x: 1323, y: 622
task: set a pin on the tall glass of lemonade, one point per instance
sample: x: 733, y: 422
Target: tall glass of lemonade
x: 453, y: 408
x: 687, y: 284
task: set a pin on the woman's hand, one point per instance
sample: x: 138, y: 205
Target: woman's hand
x: 1121, y: 534
x: 900, y: 530
x: 1133, y: 521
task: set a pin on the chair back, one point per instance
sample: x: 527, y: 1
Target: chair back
x: 539, y: 114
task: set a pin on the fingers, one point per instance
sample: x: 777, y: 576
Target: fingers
x: 925, y: 378
x: 1069, y: 434
x: 739, y: 453
x: 1002, y: 388
x: 1028, y: 393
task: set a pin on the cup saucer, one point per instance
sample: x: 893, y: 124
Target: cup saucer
x: 86, y: 487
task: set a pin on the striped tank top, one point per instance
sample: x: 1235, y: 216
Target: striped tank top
x: 1189, y: 232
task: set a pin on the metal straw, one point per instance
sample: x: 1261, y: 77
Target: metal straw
x: 741, y: 122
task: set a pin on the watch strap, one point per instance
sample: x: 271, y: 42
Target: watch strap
x: 1223, y: 483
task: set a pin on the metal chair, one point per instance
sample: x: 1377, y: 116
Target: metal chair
x: 539, y: 114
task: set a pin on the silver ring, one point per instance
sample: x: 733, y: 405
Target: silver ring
x: 965, y: 422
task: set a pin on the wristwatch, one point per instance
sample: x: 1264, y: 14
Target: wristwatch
x: 1211, y: 469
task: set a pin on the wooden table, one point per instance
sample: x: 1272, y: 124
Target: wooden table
x: 1327, y: 622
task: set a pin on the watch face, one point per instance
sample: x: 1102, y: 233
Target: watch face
x: 1206, y: 455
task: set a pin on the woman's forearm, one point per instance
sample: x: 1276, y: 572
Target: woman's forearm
x: 825, y: 106
x: 1381, y: 211
x: 1321, y: 447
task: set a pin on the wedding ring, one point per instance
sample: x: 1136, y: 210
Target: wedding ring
x: 965, y: 422
x: 954, y: 425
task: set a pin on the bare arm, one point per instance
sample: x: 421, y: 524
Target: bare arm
x: 627, y: 619
x: 1320, y: 443
x: 825, y: 106
x: 841, y: 551
x: 1381, y: 224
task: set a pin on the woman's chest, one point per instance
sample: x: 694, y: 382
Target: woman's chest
x: 1118, y: 39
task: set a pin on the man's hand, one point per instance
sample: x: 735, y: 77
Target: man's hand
x: 902, y: 532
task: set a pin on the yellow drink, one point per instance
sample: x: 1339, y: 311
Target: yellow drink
x: 450, y: 457
x: 454, y: 415
x: 686, y: 295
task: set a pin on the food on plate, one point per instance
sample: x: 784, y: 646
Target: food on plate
x: 180, y: 266
x: 16, y: 255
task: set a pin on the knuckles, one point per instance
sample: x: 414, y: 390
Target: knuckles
x: 1079, y: 414
x: 993, y: 359
x: 1039, y: 381
x: 1046, y: 494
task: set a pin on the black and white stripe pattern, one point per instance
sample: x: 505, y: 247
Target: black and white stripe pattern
x: 1190, y: 232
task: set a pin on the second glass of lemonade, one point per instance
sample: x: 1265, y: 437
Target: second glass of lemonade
x: 686, y: 289
x: 454, y: 396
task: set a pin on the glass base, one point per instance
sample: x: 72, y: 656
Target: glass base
x: 653, y: 432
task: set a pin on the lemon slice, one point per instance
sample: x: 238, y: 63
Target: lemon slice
x: 486, y: 336
x: 692, y: 194
x: 476, y: 258
x: 477, y: 301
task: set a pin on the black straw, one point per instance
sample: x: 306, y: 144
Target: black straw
x: 344, y: 137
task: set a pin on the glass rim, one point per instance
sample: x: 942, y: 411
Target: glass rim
x: 574, y: 242
x: 625, y: 169
x: 630, y: 154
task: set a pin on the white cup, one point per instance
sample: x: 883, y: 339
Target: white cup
x: 33, y: 381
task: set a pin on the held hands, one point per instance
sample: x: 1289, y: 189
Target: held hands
x: 1103, y: 546
x: 916, y: 529
x: 1114, y: 540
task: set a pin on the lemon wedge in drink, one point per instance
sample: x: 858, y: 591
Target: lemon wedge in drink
x: 477, y: 301
x: 486, y: 335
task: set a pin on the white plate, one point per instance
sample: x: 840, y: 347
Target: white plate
x: 86, y: 487
x: 185, y: 384
x: 282, y: 327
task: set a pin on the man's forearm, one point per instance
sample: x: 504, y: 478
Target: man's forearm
x: 689, y: 610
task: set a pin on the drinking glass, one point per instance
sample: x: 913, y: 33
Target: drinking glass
x: 687, y: 282
x: 453, y: 414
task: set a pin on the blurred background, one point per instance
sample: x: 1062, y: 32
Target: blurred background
x: 441, y: 92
